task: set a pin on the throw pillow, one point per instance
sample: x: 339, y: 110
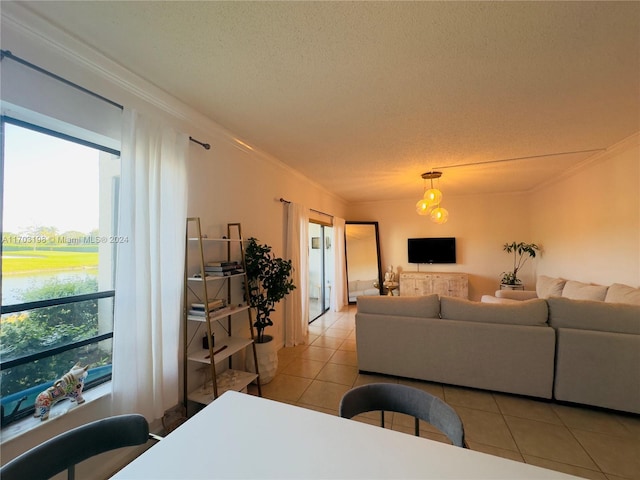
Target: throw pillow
x: 420, y: 307
x: 619, y: 293
x: 583, y: 291
x: 549, y: 287
x: 527, y: 312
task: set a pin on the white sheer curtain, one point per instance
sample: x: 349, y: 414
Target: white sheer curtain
x: 339, y: 290
x: 296, y: 309
x: 149, y: 269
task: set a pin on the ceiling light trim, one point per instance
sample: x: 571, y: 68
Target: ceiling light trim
x: 430, y: 175
x: 515, y: 159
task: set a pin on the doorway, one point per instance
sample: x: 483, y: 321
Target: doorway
x: 321, y: 266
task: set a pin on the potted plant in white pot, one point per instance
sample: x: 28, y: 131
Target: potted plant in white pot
x: 521, y: 253
x: 269, y: 280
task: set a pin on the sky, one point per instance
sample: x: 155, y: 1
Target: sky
x: 48, y: 182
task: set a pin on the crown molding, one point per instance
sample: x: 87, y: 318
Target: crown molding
x: 632, y: 141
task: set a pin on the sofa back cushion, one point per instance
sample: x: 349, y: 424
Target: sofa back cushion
x: 583, y: 291
x: 594, y: 315
x: 527, y: 312
x: 517, y: 295
x: 619, y: 293
x: 496, y: 299
x: 549, y: 287
x: 421, y: 307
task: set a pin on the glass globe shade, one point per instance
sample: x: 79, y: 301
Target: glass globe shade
x: 423, y: 207
x: 439, y: 215
x: 433, y: 196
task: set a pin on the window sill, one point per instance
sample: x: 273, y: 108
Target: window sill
x: 59, y: 410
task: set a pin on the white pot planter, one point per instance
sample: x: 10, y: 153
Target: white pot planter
x: 267, y: 360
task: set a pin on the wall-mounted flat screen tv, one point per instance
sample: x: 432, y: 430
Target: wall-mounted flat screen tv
x: 432, y: 250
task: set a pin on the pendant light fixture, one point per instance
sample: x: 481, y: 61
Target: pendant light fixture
x: 429, y: 204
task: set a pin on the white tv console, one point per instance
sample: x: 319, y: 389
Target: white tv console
x: 416, y: 284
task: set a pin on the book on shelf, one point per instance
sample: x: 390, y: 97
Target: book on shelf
x: 201, y: 313
x: 219, y: 269
x: 217, y: 311
x: 220, y: 263
x: 219, y: 274
x: 224, y: 268
x: 213, y: 304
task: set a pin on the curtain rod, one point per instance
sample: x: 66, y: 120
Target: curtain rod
x: 282, y: 200
x: 206, y: 146
x: 22, y: 61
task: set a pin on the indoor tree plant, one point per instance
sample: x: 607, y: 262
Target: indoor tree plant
x: 521, y: 253
x: 269, y: 281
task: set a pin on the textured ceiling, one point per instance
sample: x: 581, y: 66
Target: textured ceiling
x: 363, y: 97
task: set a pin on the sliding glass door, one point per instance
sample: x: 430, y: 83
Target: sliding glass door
x: 321, y: 266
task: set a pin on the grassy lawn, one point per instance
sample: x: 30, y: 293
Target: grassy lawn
x: 29, y: 261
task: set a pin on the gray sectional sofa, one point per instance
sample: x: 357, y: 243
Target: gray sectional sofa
x: 580, y: 351
x: 597, y: 354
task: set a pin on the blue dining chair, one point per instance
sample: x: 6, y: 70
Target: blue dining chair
x: 64, y: 451
x: 393, y: 397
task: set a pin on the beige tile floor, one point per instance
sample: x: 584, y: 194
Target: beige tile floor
x: 582, y: 441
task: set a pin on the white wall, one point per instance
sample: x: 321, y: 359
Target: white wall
x: 480, y: 223
x: 230, y: 183
x: 589, y: 222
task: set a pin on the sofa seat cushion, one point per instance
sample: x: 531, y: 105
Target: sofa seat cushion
x: 583, y: 291
x: 420, y: 307
x: 549, y: 287
x: 527, y: 312
x: 593, y: 315
x: 619, y: 293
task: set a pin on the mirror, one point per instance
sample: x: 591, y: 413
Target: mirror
x: 362, y: 252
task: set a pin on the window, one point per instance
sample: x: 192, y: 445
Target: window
x: 59, y: 203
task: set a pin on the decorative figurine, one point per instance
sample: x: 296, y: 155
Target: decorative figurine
x: 390, y: 281
x: 390, y: 275
x: 69, y: 386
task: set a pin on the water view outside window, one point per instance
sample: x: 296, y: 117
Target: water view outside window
x: 58, y: 246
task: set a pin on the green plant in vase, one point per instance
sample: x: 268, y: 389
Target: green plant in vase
x: 269, y: 279
x: 521, y: 253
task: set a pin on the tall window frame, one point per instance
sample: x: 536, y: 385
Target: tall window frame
x: 20, y: 403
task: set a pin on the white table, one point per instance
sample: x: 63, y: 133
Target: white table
x: 242, y: 436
